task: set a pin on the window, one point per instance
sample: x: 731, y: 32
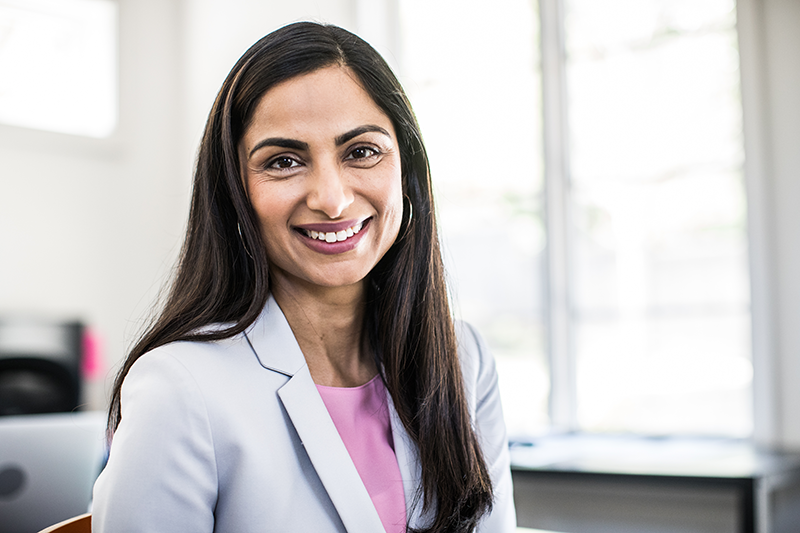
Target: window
x: 471, y: 70
x: 58, y: 65
x: 587, y: 159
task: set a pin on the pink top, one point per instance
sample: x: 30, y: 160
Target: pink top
x: 361, y: 415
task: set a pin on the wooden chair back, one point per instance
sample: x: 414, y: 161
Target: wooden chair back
x: 77, y: 524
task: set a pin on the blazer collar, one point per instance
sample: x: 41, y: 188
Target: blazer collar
x: 273, y: 341
x: 276, y: 348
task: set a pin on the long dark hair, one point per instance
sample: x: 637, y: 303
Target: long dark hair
x: 223, y: 277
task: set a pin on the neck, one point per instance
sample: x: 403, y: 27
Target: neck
x: 328, y: 323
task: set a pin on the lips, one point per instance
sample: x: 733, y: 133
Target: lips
x: 333, y: 238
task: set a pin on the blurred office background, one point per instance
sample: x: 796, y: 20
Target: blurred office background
x: 617, y: 184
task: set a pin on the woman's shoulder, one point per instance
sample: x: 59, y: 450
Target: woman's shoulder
x: 218, y: 379
x: 193, y: 358
x: 477, y: 363
x: 472, y: 347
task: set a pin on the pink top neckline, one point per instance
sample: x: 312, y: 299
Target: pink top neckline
x: 331, y: 387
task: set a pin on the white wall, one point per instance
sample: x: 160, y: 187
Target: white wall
x: 87, y: 227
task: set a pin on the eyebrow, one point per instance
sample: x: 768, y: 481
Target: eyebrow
x: 294, y: 144
x: 352, y: 134
x: 280, y: 142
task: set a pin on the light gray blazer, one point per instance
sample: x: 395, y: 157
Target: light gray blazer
x: 233, y: 437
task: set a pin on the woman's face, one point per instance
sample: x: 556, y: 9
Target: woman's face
x: 321, y: 165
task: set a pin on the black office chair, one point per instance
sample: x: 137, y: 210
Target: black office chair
x: 39, y: 366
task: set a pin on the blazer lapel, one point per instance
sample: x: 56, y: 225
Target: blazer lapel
x: 274, y: 344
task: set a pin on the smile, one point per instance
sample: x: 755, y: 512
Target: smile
x: 331, y: 236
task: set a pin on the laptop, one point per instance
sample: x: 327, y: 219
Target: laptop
x: 48, y: 465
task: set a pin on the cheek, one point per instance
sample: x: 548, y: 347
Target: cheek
x: 274, y: 236
x: 393, y: 206
x: 393, y: 224
x: 270, y: 210
x: 397, y: 211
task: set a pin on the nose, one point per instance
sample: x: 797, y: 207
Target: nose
x: 328, y: 190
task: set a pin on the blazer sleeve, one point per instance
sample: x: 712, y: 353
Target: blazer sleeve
x: 491, y: 431
x: 161, y: 473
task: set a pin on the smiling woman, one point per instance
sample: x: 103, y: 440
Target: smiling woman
x: 305, y: 373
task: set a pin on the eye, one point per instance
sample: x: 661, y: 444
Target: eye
x: 282, y: 163
x: 362, y: 152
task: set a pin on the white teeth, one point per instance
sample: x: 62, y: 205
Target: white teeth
x: 338, y: 236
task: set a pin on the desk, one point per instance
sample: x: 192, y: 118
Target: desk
x: 667, y: 482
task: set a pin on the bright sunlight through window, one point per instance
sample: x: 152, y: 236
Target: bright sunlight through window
x: 657, y: 282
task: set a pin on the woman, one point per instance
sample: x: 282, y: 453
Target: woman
x: 305, y: 373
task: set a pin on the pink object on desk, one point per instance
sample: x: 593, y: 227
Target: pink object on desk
x: 91, y: 359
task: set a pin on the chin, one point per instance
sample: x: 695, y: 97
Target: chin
x: 338, y: 279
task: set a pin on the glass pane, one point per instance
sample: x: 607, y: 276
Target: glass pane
x: 659, y: 250
x: 58, y: 65
x: 472, y: 73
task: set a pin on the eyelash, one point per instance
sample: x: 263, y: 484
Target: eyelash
x: 363, y: 148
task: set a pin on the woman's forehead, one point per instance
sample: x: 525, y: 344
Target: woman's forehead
x: 327, y: 101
